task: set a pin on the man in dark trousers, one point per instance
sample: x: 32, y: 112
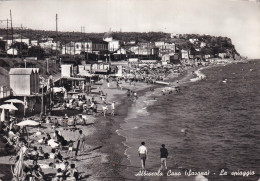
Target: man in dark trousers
x: 80, y: 144
x: 164, y: 155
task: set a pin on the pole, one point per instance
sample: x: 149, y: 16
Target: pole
x: 24, y: 109
x: 42, y: 101
x: 47, y: 64
x: 21, y: 41
x: 7, y: 29
x: 56, y: 35
x: 12, y: 30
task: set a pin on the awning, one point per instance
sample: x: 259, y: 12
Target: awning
x: 100, y: 70
x: 74, y: 78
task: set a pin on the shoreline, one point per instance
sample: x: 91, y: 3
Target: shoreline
x: 182, y: 78
x: 106, y: 156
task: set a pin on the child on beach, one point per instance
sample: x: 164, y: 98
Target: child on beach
x: 105, y: 109
x: 69, y: 152
x: 113, y: 108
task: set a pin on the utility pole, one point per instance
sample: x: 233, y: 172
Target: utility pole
x: 21, y: 41
x: 56, y: 35
x: 12, y: 30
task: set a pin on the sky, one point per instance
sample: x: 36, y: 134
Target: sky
x: 236, y: 19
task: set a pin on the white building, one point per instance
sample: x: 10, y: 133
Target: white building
x: 66, y: 70
x: 49, y: 44
x: 34, y: 42
x: 165, y: 47
x: 193, y: 40
x: 12, y: 51
x: 184, y: 54
x: 113, y: 44
x: 202, y: 44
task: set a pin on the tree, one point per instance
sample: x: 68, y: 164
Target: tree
x: 36, y: 51
x: 21, y: 47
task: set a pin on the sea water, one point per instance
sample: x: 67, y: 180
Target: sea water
x: 211, y: 127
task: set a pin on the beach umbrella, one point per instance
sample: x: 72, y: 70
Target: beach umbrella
x: 28, y: 123
x: 58, y: 89
x: 15, y: 101
x: 8, y: 106
x: 18, y: 167
x: 2, y: 118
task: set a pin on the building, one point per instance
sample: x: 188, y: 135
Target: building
x: 24, y: 81
x: 16, y: 38
x: 193, y: 40
x: 76, y: 48
x: 222, y: 55
x: 49, y: 45
x: 34, y: 42
x: 203, y: 44
x: 12, y: 51
x: 184, y: 54
x: 67, y: 70
x: 165, y: 47
x: 113, y: 44
x: 100, y: 68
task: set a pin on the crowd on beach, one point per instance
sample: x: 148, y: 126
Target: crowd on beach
x: 49, y: 147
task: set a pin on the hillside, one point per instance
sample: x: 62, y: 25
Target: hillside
x: 7, y: 63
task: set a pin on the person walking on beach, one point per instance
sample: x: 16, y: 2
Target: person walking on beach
x: 113, y: 108
x: 105, y: 109
x: 142, y: 154
x: 80, y: 144
x: 164, y: 155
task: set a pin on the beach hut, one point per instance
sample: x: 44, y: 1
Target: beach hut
x: 24, y: 81
x: 66, y: 70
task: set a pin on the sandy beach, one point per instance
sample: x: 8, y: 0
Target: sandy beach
x: 104, y: 155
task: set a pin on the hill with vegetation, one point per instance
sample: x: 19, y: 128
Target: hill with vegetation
x: 214, y: 44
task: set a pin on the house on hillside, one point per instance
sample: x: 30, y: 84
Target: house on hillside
x: 12, y: 51
x: 15, y: 38
x: 24, y: 81
x: 165, y: 47
x: 34, y: 42
x: 193, y: 40
x: 184, y: 54
x: 49, y: 44
x: 113, y: 44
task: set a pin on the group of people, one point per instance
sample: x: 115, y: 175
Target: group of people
x: 143, y: 154
x: 34, y: 149
x: 131, y: 95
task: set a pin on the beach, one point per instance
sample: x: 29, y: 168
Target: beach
x: 112, y: 141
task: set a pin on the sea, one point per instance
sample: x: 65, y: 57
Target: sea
x: 211, y: 127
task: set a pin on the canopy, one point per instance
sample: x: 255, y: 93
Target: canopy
x: 15, y: 101
x: 8, y: 106
x: 58, y: 89
x: 28, y: 123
